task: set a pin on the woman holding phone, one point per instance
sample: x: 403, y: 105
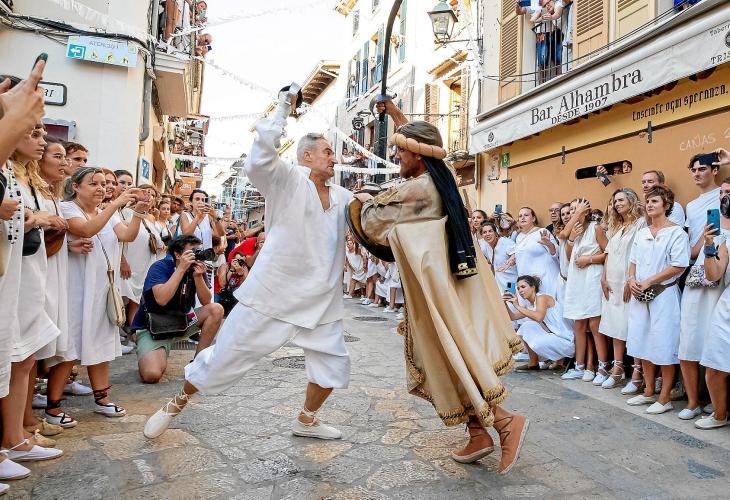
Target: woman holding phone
x: 536, y: 252
x: 498, y: 251
x: 202, y: 221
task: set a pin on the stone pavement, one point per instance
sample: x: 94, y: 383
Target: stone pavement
x: 584, y: 442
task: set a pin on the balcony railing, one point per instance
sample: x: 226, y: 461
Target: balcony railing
x: 553, y: 47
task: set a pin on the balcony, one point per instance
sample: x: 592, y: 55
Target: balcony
x: 174, y: 84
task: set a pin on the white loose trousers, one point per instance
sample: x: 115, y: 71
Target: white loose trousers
x: 246, y: 336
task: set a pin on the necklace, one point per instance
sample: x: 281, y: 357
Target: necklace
x: 16, y: 222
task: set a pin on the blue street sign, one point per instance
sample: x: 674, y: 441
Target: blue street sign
x: 76, y: 51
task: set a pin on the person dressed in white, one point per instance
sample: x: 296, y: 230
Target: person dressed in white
x: 203, y: 222
x: 716, y: 349
x: 582, y: 303
x: 564, y: 259
x: 698, y: 299
x: 293, y: 293
x: 625, y: 218
x: 355, y: 267
x: 652, y: 178
x: 659, y: 256
x: 536, y: 252
x: 545, y: 331
x: 395, y: 289
x: 498, y: 250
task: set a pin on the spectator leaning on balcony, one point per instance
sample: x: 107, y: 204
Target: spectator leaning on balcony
x: 548, y: 37
x: 700, y: 295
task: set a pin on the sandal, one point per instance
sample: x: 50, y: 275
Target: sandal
x: 63, y: 419
x: 635, y: 385
x: 615, y: 378
x: 107, y: 409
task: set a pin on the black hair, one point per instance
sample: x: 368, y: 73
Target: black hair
x: 197, y: 191
x: 120, y: 173
x: 533, y: 281
x: 701, y: 158
x: 178, y: 244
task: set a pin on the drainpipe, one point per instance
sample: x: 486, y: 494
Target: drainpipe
x: 147, y: 89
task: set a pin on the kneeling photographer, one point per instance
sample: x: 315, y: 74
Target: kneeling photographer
x: 167, y: 313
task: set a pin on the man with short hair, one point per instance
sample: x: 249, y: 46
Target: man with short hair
x: 698, y: 301
x: 652, y: 178
x: 77, y: 156
x: 294, y: 293
x: 554, y: 216
x: 171, y: 286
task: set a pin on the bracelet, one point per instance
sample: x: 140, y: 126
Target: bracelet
x: 138, y: 214
x: 570, y: 242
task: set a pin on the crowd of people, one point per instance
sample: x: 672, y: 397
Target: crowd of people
x: 642, y: 283
x: 85, y: 257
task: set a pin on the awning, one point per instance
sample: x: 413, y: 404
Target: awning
x: 694, y: 41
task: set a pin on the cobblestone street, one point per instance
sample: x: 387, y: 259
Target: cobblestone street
x: 584, y: 442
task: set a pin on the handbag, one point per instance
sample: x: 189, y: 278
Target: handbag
x: 151, y: 242
x: 696, y: 278
x: 54, y: 238
x: 32, y: 239
x: 168, y: 325
x: 115, y: 310
x: 654, y: 291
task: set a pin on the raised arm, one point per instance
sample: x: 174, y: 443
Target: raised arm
x: 393, y: 111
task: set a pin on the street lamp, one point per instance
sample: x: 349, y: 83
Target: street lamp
x: 443, y: 20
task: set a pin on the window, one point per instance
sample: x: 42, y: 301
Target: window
x: 355, y: 21
x: 378, y: 70
x: 621, y: 167
x: 402, y: 41
x: 364, y: 68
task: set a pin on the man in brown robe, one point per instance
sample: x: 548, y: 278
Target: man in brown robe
x: 458, y: 336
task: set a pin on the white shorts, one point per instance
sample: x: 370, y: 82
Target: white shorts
x: 246, y: 336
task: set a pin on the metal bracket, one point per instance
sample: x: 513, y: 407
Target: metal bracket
x: 649, y: 133
x: 563, y: 155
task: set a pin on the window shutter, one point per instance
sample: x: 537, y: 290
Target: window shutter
x: 355, y: 21
x: 378, y: 75
x: 464, y: 110
x: 591, y: 29
x: 630, y: 14
x: 431, y: 103
x: 510, y: 52
x: 364, y: 72
x: 402, y: 46
x: 357, y: 74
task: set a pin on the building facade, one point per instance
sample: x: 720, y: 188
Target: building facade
x: 609, y: 81
x: 111, y: 84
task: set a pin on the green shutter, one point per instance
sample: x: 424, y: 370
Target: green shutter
x: 364, y: 73
x: 378, y: 74
x: 402, y: 47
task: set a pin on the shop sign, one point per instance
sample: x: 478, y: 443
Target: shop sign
x: 614, y: 81
x: 55, y: 93
x: 505, y: 160
x: 102, y: 50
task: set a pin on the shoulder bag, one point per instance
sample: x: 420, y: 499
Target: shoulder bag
x: 114, y: 303
x: 152, y: 241
x: 167, y: 325
x: 654, y: 291
x: 33, y: 238
x: 696, y: 278
x: 54, y: 237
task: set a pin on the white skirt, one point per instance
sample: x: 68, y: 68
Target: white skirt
x: 615, y: 313
x: 653, y: 330
x: 716, y: 351
x: 546, y: 345
x: 698, y: 305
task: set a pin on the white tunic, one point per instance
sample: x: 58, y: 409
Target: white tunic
x: 554, y: 344
x: 677, y: 215
x: 203, y: 231
x: 534, y: 259
x: 497, y: 256
x: 298, y: 273
x: 139, y: 258
x: 614, y: 312
x: 697, y: 303
x: 56, y: 292
x: 716, y: 349
x: 653, y: 331
x: 583, y: 289
x: 12, y: 255
x: 381, y: 286
x: 392, y: 281
x: 357, y: 262
x: 93, y: 339
x: 36, y: 328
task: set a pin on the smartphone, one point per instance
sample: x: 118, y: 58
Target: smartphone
x: 511, y: 289
x: 219, y: 206
x: 604, y: 179
x: 498, y: 208
x: 206, y: 200
x: 525, y: 3
x: 709, y: 159
x: 713, y: 218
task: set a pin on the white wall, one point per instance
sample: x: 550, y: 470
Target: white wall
x: 105, y: 101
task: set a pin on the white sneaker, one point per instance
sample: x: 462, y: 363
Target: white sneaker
x: 315, y: 430
x: 10, y: 470
x: 600, y: 378
x: 689, y: 414
x: 109, y: 410
x: 129, y: 348
x: 573, y: 374
x: 374, y: 304
x: 709, y: 409
x: 588, y: 375
x: 400, y: 317
x: 630, y: 388
x: 521, y: 356
x: 3, y: 489
x: 543, y: 365
x: 641, y: 400
x: 39, y: 401
x: 367, y: 302
x: 710, y: 422
x: 62, y: 419
x: 657, y: 408
x: 35, y: 454
x: 78, y: 389
x: 347, y: 296
x: 158, y: 423
x: 611, y: 382
x: 388, y: 310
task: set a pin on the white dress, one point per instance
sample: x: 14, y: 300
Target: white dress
x: 653, y: 332
x: 56, y: 292
x: 497, y: 256
x: 93, y: 339
x: 356, y: 260
x: 698, y: 303
x: 583, y: 289
x: 554, y: 344
x: 381, y: 286
x: 392, y: 281
x: 12, y: 255
x: 161, y: 230
x: 615, y: 312
x: 139, y: 258
x: 36, y: 328
x: 716, y: 350
x: 564, y: 263
x: 534, y: 259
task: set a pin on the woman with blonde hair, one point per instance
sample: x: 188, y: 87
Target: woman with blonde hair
x: 625, y: 218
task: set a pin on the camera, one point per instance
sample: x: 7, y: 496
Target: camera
x: 203, y: 255
x: 725, y: 206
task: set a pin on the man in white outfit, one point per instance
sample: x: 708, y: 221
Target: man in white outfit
x: 293, y: 293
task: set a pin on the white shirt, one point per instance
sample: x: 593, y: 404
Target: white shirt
x: 653, y: 254
x: 677, y: 215
x: 697, y: 214
x: 298, y: 273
